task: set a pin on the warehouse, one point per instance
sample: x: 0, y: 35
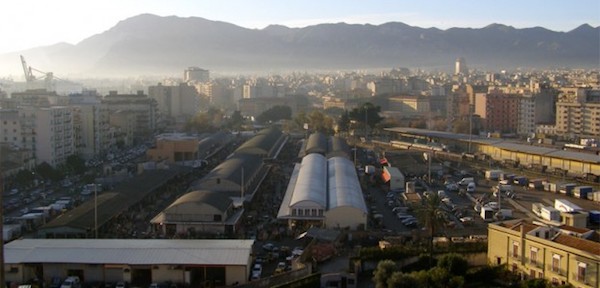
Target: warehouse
x: 193, y: 263
x: 197, y: 213
x: 267, y: 143
x: 324, y: 193
x: 238, y: 177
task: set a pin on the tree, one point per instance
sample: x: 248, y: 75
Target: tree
x: 402, y: 280
x: 320, y: 122
x: 274, y: 114
x: 383, y: 272
x: 454, y: 263
x: 236, y: 120
x: 366, y: 114
x: 75, y: 164
x: 431, y: 215
x: 344, y: 122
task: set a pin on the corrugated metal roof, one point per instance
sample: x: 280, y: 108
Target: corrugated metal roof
x: 312, y: 181
x: 129, y: 251
x: 344, y: 188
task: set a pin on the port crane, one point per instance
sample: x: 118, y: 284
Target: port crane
x: 30, y: 79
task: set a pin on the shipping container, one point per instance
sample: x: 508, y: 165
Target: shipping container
x: 520, y: 180
x: 493, y: 174
x: 594, y: 216
x: 487, y: 214
x: 550, y: 213
x: 595, y: 196
x: 537, y: 183
x: 582, y: 191
x: 566, y: 206
x: 567, y: 189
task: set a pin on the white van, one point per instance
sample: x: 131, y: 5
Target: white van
x: 466, y: 181
x: 471, y: 187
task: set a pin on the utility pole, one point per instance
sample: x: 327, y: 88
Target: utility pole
x: 366, y: 124
x: 95, y: 210
x: 2, y: 279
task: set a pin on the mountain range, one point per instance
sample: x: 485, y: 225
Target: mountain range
x: 153, y: 45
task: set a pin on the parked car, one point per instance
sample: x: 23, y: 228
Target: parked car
x: 71, y: 282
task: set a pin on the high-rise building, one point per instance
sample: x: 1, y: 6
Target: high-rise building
x: 499, y: 111
x: 460, y: 67
x: 48, y: 131
x: 578, y: 112
x: 195, y: 74
x: 142, y: 109
x: 10, y: 127
x: 175, y: 101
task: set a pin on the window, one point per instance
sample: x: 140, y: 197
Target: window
x: 306, y: 212
x: 533, y: 255
x: 532, y: 274
x: 515, y: 249
x: 321, y: 212
x: 556, y: 263
x: 300, y: 212
x: 581, y: 269
x: 313, y: 212
x: 217, y: 217
x: 293, y: 212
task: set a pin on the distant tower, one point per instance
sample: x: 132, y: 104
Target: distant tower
x: 196, y: 74
x: 461, y: 66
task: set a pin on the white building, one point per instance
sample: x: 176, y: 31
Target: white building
x: 325, y: 193
x: 48, y: 131
x: 189, y: 263
x: 526, y: 115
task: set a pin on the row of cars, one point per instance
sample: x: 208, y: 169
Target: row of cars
x: 274, y: 252
x: 401, y: 212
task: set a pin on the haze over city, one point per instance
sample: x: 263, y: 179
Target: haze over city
x: 341, y: 143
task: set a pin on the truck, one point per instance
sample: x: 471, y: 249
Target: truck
x: 493, y: 174
x: 487, y: 214
x: 370, y: 169
x: 550, y: 213
x: 582, y: 191
x: 394, y: 177
x: 566, y: 206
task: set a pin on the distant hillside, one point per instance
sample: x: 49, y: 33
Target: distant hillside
x: 149, y: 44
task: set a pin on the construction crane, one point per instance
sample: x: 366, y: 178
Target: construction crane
x: 30, y: 78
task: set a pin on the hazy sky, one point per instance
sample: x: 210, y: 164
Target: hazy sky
x: 30, y: 23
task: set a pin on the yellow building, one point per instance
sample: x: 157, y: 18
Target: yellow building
x: 174, y: 147
x: 561, y: 255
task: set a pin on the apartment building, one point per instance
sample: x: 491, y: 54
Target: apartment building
x: 526, y: 119
x: 578, y: 113
x: 499, y: 112
x: 561, y: 255
x: 176, y: 101
x: 196, y: 74
x: 10, y: 127
x: 48, y: 131
x: 92, y: 129
x: 143, y: 111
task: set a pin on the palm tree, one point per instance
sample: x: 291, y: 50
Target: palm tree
x: 432, y: 216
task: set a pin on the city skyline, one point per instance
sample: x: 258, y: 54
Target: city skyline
x: 73, y: 21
